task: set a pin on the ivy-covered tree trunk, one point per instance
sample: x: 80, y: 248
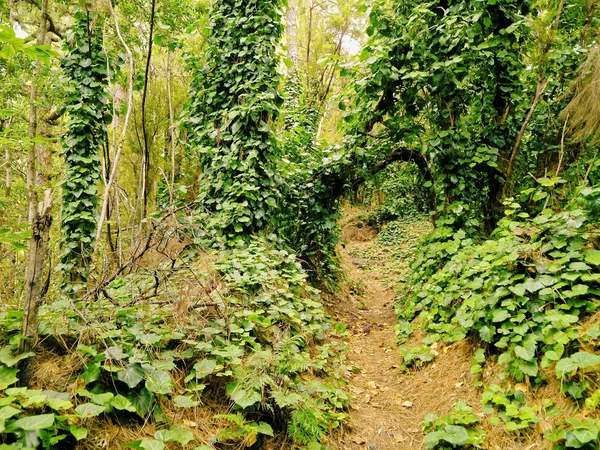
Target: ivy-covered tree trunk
x: 87, y: 105
x: 234, y: 103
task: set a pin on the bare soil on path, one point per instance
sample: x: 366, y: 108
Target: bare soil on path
x: 388, y: 403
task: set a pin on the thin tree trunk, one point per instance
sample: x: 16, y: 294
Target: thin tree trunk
x: 146, y: 150
x: 292, y: 34
x: 119, y: 145
x: 308, y: 42
x: 35, y: 282
x: 32, y: 133
x: 172, y: 127
x: 541, y: 86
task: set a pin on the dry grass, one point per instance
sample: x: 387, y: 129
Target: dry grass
x: 583, y: 112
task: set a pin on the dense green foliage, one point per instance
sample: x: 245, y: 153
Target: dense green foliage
x: 234, y: 101
x: 255, y: 343
x: 222, y: 201
x: 450, y: 86
x: 86, y: 139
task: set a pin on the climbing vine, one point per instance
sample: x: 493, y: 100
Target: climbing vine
x: 87, y: 104
x: 234, y: 102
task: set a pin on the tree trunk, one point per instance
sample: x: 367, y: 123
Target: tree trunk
x: 292, y: 34
x: 172, y: 126
x: 32, y: 133
x: 36, y: 285
x: 146, y: 149
x: 308, y: 42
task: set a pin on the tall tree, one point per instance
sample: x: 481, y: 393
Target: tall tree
x: 87, y: 105
x: 234, y: 101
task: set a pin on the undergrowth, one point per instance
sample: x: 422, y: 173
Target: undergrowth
x: 258, y: 340
x: 528, y: 297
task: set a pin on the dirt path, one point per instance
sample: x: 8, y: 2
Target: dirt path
x: 388, y: 404
x: 379, y: 413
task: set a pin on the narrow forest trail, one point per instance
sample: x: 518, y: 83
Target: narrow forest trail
x: 388, y: 404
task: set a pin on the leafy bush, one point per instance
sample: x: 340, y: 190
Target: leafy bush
x: 400, y: 193
x: 521, y: 292
x: 575, y: 433
x: 261, y: 342
x: 454, y: 430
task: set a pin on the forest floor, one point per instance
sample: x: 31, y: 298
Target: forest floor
x: 388, y: 403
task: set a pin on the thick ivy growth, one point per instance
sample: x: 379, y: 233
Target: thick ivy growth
x: 87, y: 105
x: 524, y: 294
x: 234, y: 101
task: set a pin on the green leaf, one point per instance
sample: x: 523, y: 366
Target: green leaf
x: 78, y: 433
x: 579, y: 266
x: 181, y: 435
x: 585, y: 435
x: 455, y: 435
x: 564, y: 367
x: 152, y: 444
x: 91, y: 372
x: 7, y: 377
x: 533, y: 285
x: 585, y: 360
x: 35, y: 422
x: 9, y: 360
x: 132, y: 375
x: 518, y: 289
x: 159, y: 382
x: 265, y: 428
x: 500, y: 315
x: 89, y: 410
x: 6, y: 412
x: 184, y: 402
x: 122, y: 403
x: 487, y: 333
x: 59, y: 404
x: 245, y: 398
x: 205, y: 367
x: 592, y: 256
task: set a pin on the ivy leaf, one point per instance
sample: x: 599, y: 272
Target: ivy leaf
x: 585, y: 360
x: 180, y: 435
x: 265, y: 428
x: 152, y: 444
x: 132, y: 375
x: 89, y: 410
x: 500, y: 315
x: 518, y: 289
x: 78, y: 433
x: 580, y: 266
x: 487, y: 333
x: 565, y: 366
x: 122, y: 403
x: 58, y: 404
x: 455, y: 435
x: 159, y: 382
x: 521, y: 352
x: 205, y: 367
x: 245, y: 398
x: 585, y: 435
x: 182, y: 401
x: 534, y: 285
x: 9, y: 360
x: 35, y: 422
x: 7, y: 412
x: 91, y: 372
x: 7, y: 377
x: 592, y: 256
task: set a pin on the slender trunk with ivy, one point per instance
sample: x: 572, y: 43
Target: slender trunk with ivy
x: 234, y: 102
x: 88, y: 107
